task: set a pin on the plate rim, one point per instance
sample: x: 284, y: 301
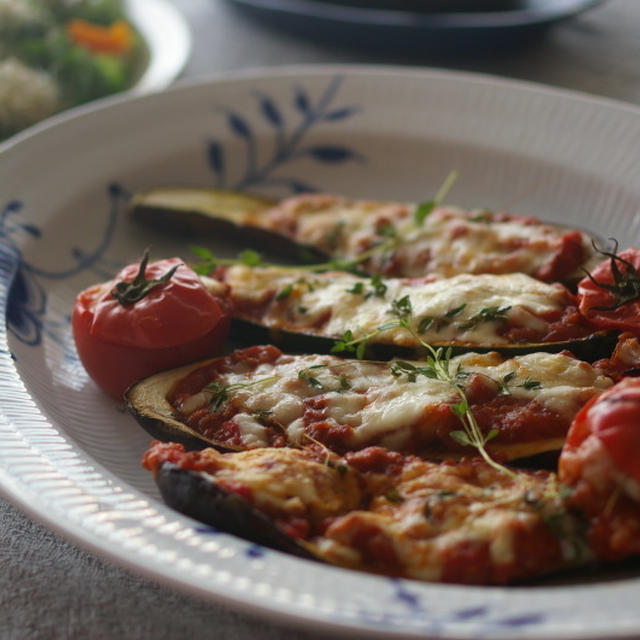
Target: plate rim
x: 161, y: 23
x: 259, y: 72
x: 11, y: 489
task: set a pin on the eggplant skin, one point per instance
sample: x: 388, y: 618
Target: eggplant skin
x: 195, y: 495
x: 243, y: 330
x: 211, y: 212
x: 147, y: 401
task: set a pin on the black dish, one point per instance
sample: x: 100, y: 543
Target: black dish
x: 350, y: 23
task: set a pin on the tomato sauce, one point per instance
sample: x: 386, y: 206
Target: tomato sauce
x: 565, y: 261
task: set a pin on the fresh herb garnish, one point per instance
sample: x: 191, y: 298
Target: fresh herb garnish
x: 285, y: 292
x: 210, y: 261
x: 530, y: 384
x: 306, y: 374
x: 387, y: 230
x: 437, y: 366
x: 220, y: 393
x: 504, y: 384
x: 484, y: 217
x: 425, y: 208
x: 128, y: 293
x: 378, y: 286
x: 626, y: 279
x: 488, y: 314
x: 438, y: 323
x: 357, y: 346
x: 357, y: 289
x: 262, y: 416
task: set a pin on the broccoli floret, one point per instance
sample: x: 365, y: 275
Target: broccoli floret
x: 102, y: 12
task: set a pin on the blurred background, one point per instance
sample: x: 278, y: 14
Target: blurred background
x: 55, y: 54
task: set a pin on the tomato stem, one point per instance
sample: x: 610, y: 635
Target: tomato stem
x: 626, y: 283
x: 128, y: 293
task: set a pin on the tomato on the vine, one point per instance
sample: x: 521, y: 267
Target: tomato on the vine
x: 149, y: 318
x: 610, y: 296
x: 613, y: 418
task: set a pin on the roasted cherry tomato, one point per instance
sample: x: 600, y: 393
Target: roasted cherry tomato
x: 149, y: 318
x: 610, y: 297
x: 613, y: 417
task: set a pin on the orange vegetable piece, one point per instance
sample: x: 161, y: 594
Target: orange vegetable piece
x: 115, y: 39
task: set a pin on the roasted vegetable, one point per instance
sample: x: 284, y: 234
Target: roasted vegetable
x: 226, y: 214
x: 379, y: 511
x: 195, y: 495
x: 384, y: 318
x: 388, y: 238
x: 259, y: 397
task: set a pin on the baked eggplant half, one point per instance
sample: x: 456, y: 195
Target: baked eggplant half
x: 260, y: 397
x: 231, y: 215
x: 386, y: 238
x: 380, y: 318
x: 379, y: 511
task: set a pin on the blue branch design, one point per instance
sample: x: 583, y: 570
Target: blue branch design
x: 287, y: 144
x: 27, y: 298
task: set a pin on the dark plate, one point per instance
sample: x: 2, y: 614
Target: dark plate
x: 348, y: 22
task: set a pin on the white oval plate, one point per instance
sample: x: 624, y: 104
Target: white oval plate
x: 168, y: 38
x: 70, y: 457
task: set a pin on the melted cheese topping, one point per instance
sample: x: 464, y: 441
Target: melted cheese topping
x: 379, y: 407
x: 288, y: 481
x: 440, y: 513
x: 449, y: 240
x: 463, y: 522
x: 444, y: 310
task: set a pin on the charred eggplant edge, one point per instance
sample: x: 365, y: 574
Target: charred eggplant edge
x: 196, y: 495
x: 147, y: 401
x: 146, y: 207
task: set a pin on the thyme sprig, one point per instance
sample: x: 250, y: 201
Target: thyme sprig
x: 209, y: 261
x: 425, y: 208
x: 358, y: 345
x: 626, y: 280
x: 128, y: 293
x: 437, y: 366
x: 220, y: 393
x: 488, y: 314
x: 391, y: 238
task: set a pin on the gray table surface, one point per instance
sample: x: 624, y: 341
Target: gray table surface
x: 51, y: 589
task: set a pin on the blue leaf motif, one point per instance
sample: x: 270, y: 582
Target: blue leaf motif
x: 13, y: 206
x: 270, y: 111
x: 341, y: 114
x: 239, y: 125
x: 302, y: 100
x: 216, y: 156
x: 25, y: 307
x: 32, y: 230
x: 115, y: 190
x: 332, y: 154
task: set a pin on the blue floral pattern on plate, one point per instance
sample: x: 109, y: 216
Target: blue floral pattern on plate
x: 290, y: 140
x: 27, y: 301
